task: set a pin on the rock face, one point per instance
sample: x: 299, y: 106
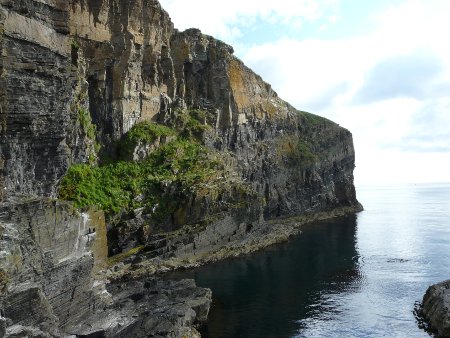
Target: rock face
x: 122, y: 62
x: 50, y: 285
x: 75, y: 77
x: 436, y: 308
x: 47, y: 265
x: 149, y: 308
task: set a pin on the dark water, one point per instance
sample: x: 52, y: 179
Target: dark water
x: 355, y: 277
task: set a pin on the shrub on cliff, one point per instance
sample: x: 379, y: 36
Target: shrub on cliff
x: 313, y: 120
x: 170, y: 172
x: 143, y: 133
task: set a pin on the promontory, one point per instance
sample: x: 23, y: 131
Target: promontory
x: 128, y: 149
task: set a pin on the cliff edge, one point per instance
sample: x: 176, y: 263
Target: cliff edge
x: 187, y: 154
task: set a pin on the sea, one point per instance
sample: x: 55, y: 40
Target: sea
x: 356, y: 276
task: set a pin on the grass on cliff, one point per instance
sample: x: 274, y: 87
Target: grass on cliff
x: 143, y: 133
x: 84, y: 117
x: 191, y: 123
x: 165, y: 177
x: 304, y: 153
x: 312, y: 119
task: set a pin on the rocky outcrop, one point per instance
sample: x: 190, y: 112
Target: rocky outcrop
x: 147, y: 308
x: 47, y: 263
x: 51, y: 285
x: 278, y: 162
x: 436, y: 308
x: 297, y: 162
x: 34, y: 92
x: 75, y: 78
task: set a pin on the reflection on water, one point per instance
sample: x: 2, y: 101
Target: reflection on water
x: 269, y: 293
x: 358, y: 276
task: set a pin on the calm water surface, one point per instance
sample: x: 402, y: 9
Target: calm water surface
x: 355, y: 277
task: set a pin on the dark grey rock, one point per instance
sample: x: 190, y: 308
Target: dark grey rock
x: 436, y: 308
x: 2, y: 326
x: 55, y: 290
x: 150, y: 307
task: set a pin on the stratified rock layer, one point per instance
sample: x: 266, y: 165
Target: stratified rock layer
x: 75, y: 76
x: 123, y: 62
x: 49, y: 262
x: 436, y: 308
x: 149, y: 308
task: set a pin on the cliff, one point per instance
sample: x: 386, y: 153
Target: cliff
x: 190, y: 154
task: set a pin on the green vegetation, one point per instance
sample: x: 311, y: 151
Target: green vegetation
x: 296, y: 151
x: 143, y: 132
x: 175, y: 170
x: 93, y: 186
x: 84, y: 117
x: 75, y: 44
x: 84, y: 120
x: 313, y: 120
x: 90, y: 129
x: 192, y: 123
x: 304, y: 153
x: 164, y: 178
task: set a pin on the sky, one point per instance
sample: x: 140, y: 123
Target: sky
x: 380, y: 68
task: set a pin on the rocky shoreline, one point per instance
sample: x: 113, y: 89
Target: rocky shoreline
x: 76, y: 291
x: 149, y: 305
x: 259, y: 237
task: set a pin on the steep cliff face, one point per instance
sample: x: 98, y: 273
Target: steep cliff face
x: 51, y: 286
x: 47, y: 264
x: 79, y: 75
x: 190, y: 153
x: 34, y: 91
x: 298, y: 162
x: 64, y: 60
x: 278, y: 162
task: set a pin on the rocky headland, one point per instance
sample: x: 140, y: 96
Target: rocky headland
x: 128, y: 149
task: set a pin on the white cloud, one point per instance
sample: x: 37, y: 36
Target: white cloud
x: 409, y: 47
x: 220, y: 18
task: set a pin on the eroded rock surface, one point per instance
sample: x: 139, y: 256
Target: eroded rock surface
x: 47, y: 264
x: 151, y: 307
x: 50, y: 260
x: 436, y: 308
